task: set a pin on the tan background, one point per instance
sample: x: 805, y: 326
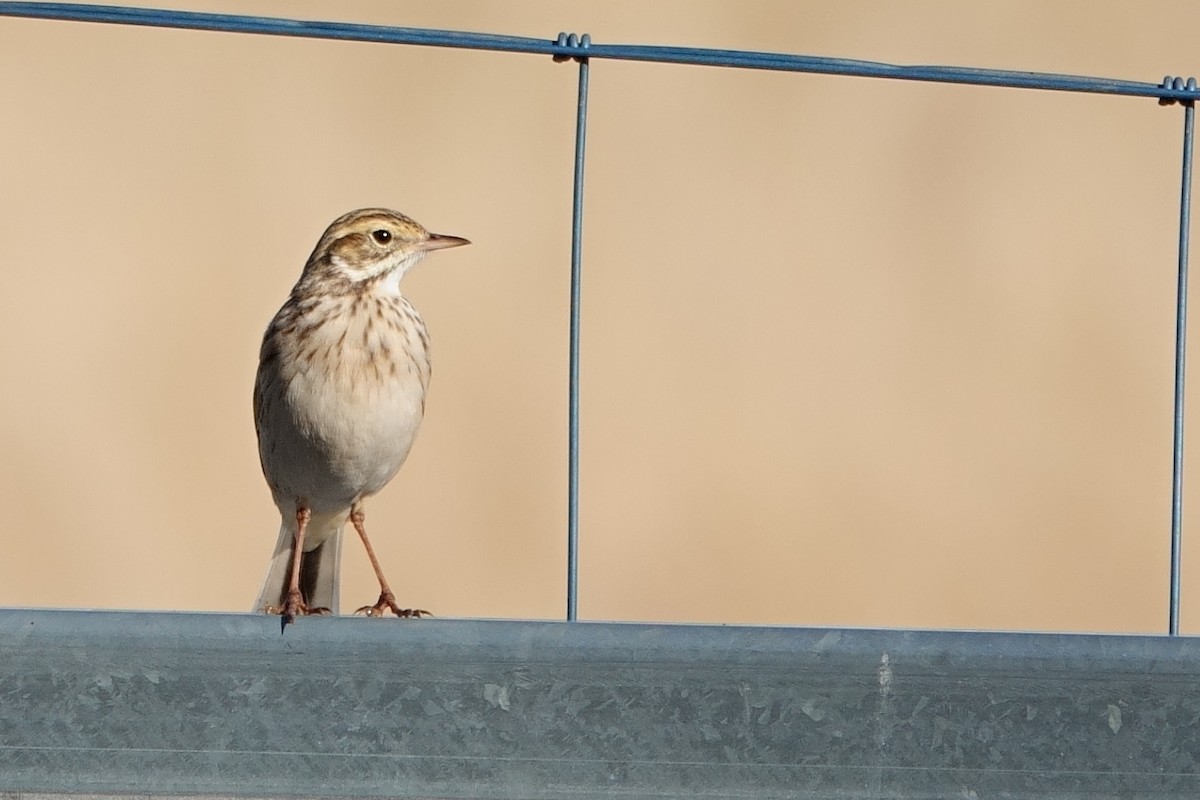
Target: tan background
x: 857, y: 352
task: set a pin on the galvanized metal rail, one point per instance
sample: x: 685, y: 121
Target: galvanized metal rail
x: 131, y: 704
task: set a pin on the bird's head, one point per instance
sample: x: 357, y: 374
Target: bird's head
x: 373, y: 244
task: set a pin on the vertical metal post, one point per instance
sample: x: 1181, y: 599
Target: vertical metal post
x: 573, y: 389
x: 1180, y: 359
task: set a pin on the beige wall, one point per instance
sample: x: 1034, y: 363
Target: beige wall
x: 856, y: 352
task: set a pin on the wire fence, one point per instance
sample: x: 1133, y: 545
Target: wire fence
x: 581, y: 49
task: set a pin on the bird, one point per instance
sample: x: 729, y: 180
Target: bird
x: 338, y: 398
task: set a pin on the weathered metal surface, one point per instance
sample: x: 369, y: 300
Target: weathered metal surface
x: 223, y: 705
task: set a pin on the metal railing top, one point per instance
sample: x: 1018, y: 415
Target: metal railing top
x: 141, y: 705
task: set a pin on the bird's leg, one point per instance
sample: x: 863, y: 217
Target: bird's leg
x: 294, y: 604
x: 386, y: 599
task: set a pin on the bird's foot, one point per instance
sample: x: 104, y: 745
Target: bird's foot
x: 388, y: 601
x: 294, y: 604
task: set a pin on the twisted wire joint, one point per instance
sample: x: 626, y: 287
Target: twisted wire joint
x: 572, y: 42
x: 1178, y: 85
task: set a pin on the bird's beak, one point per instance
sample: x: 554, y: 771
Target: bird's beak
x: 440, y: 241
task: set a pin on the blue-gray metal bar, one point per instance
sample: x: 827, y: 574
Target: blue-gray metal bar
x: 1185, y: 206
x: 576, y: 280
x: 221, y: 705
x: 516, y: 44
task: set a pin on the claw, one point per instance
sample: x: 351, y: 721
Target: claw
x: 293, y: 605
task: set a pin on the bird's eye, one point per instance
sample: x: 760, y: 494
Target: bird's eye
x: 382, y: 236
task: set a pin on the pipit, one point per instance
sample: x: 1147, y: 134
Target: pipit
x: 338, y: 399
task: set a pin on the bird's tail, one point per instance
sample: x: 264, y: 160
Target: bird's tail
x: 319, y: 570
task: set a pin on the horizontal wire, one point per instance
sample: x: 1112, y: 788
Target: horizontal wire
x: 565, y: 48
